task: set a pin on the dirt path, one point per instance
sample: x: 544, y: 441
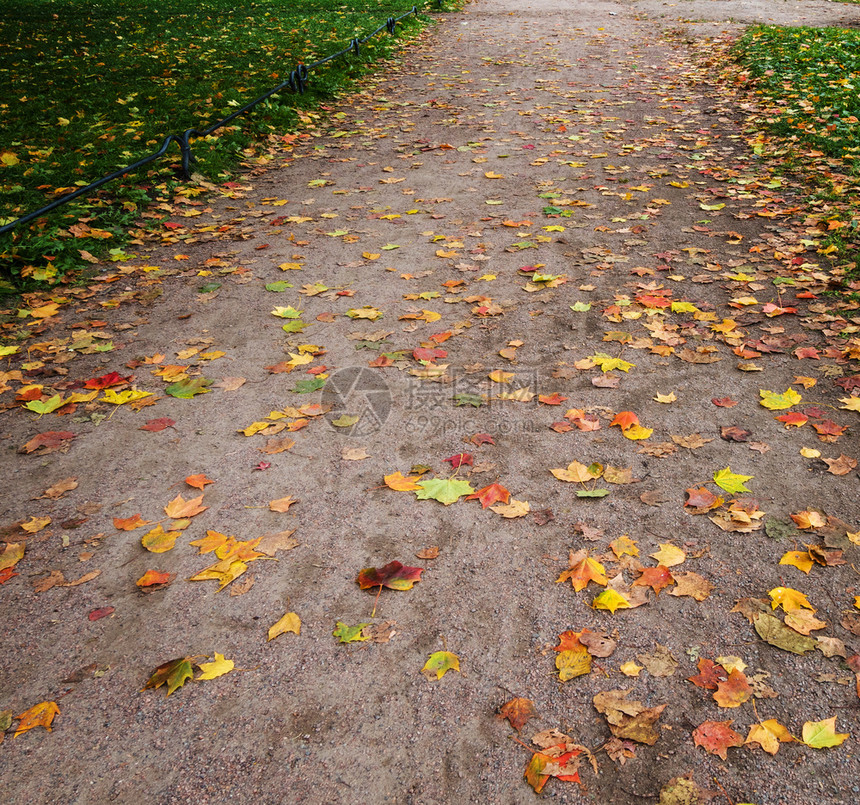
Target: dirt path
x: 574, y: 138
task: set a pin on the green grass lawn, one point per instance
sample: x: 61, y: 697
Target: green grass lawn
x: 807, y: 80
x: 89, y: 87
x: 812, y: 78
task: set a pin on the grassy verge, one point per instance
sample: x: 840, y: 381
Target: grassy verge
x: 807, y: 81
x: 90, y: 87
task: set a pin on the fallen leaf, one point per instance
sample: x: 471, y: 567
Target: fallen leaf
x: 212, y: 670
x: 174, y: 674
x: 518, y: 711
x: 179, y: 507
x: 198, y: 481
x: 287, y: 623
x: 282, y: 504
x: 439, y: 663
x: 817, y: 734
x: 39, y: 715
x: 716, y: 737
x: 60, y: 488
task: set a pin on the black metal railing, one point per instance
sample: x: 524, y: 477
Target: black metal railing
x: 296, y: 82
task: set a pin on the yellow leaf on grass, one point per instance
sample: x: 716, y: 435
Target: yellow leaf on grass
x: 288, y: 623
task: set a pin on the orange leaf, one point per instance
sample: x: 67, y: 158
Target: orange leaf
x: 282, y: 504
x: 655, y: 577
x: 39, y: 715
x: 624, y: 420
x: 401, y: 483
x: 716, y: 737
x: 582, y: 570
x: 198, y: 481
x: 494, y: 493
x: 152, y: 577
x: 734, y: 691
x: 130, y: 523
x: 518, y: 711
x: 179, y: 507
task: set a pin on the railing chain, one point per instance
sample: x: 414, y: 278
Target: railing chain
x: 296, y: 82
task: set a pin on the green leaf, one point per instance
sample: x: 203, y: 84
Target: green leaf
x: 349, y: 634
x: 279, y: 287
x: 295, y: 326
x: 186, y: 389
x: 580, y: 307
x: 439, y: 663
x: 345, y: 421
x: 592, y: 493
x: 822, y: 734
x: 475, y: 400
x: 772, y: 630
x: 287, y: 312
x: 45, y: 407
x: 308, y: 386
x: 174, y: 673
x: 208, y: 287
x: 446, y: 491
x: 732, y: 483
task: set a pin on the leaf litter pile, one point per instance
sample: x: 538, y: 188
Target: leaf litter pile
x: 509, y: 431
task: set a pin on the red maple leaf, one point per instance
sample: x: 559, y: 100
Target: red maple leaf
x: 551, y: 399
x: 710, y: 675
x: 655, y: 577
x: 793, y: 418
x: 459, y: 459
x: 394, y: 575
x: 724, y: 402
x: 481, y: 438
x: 494, y: 493
x: 425, y: 354
x: 156, y: 425
x: 106, y: 381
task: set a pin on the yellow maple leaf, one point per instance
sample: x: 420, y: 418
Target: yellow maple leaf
x: 669, y: 555
x: 219, y: 667
x: 611, y: 600
x: 850, y: 403
x: 799, y: 559
x: 788, y: 599
x: 769, y: 735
